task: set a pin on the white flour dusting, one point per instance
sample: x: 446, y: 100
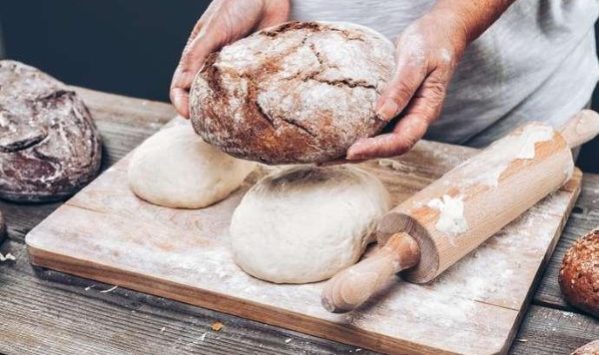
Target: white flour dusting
x: 7, y: 257
x: 487, y: 168
x: 526, y: 142
x: 476, y: 299
x: 451, y: 215
x: 393, y: 164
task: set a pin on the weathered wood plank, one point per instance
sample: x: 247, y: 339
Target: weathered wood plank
x: 114, y: 237
x: 584, y: 218
x: 123, y: 126
x: 123, y: 122
x: 551, y: 331
x: 54, y: 313
x: 110, y: 107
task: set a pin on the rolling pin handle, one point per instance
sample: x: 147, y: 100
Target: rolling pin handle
x: 581, y: 128
x: 353, y: 286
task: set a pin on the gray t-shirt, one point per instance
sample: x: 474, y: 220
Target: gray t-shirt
x: 537, y: 62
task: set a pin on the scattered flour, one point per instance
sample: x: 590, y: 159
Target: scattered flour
x: 488, y: 167
x: 395, y: 165
x: 7, y: 257
x: 109, y: 290
x: 525, y: 143
x: 451, y: 215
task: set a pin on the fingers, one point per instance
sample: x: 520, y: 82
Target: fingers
x: 389, y: 144
x: 422, y: 111
x: 406, y: 79
x: 203, y: 43
x: 275, y: 12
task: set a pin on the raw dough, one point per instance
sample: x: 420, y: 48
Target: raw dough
x: 306, y: 223
x: 176, y: 168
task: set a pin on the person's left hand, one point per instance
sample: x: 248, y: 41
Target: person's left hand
x: 426, y: 56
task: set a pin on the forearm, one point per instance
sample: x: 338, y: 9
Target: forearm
x: 470, y: 17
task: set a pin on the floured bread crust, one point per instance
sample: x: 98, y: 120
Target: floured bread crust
x: 579, y: 274
x: 299, y: 92
x: 49, y: 146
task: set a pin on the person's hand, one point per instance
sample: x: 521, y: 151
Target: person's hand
x: 426, y: 56
x: 223, y: 22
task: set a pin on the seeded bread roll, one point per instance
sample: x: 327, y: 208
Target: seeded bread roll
x: 591, y: 348
x: 300, y: 92
x: 579, y: 274
x: 49, y: 146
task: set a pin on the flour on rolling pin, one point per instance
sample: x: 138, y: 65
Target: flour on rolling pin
x: 451, y: 215
x: 520, y: 145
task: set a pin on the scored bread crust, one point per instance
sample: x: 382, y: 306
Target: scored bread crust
x: 49, y: 146
x: 300, y: 92
x: 579, y: 274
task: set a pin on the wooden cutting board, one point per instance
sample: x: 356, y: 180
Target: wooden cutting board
x: 108, y: 234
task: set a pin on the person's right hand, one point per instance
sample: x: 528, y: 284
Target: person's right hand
x: 224, y: 21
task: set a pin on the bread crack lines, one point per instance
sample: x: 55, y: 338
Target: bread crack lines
x: 213, y: 77
x: 346, y: 82
x: 12, y: 144
x: 317, y: 54
x: 323, y: 66
x: 265, y: 115
x: 294, y: 25
x: 55, y: 97
x: 301, y: 127
x: 346, y: 34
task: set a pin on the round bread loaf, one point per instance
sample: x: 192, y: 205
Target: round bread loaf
x: 591, y: 348
x: 49, y: 146
x: 300, y: 92
x: 579, y: 274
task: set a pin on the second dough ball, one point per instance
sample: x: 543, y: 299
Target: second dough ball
x: 176, y: 168
x: 305, y: 224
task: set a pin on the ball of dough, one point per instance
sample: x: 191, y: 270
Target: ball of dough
x: 176, y: 168
x: 299, y: 92
x: 306, y: 223
x: 579, y: 274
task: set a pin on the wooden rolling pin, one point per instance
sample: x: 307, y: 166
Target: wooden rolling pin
x: 449, y: 218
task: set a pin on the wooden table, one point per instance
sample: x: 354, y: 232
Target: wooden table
x: 47, y: 312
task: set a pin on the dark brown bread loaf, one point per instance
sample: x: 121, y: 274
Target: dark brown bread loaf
x: 49, y: 146
x: 591, y: 348
x: 579, y: 274
x: 299, y: 92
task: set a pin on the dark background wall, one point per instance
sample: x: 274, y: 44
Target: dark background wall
x: 130, y: 47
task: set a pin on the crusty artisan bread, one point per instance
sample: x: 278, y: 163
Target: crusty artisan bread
x: 49, y: 146
x: 579, y: 274
x: 591, y: 348
x: 299, y: 92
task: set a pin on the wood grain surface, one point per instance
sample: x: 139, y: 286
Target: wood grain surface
x: 108, y: 234
x: 52, y: 313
